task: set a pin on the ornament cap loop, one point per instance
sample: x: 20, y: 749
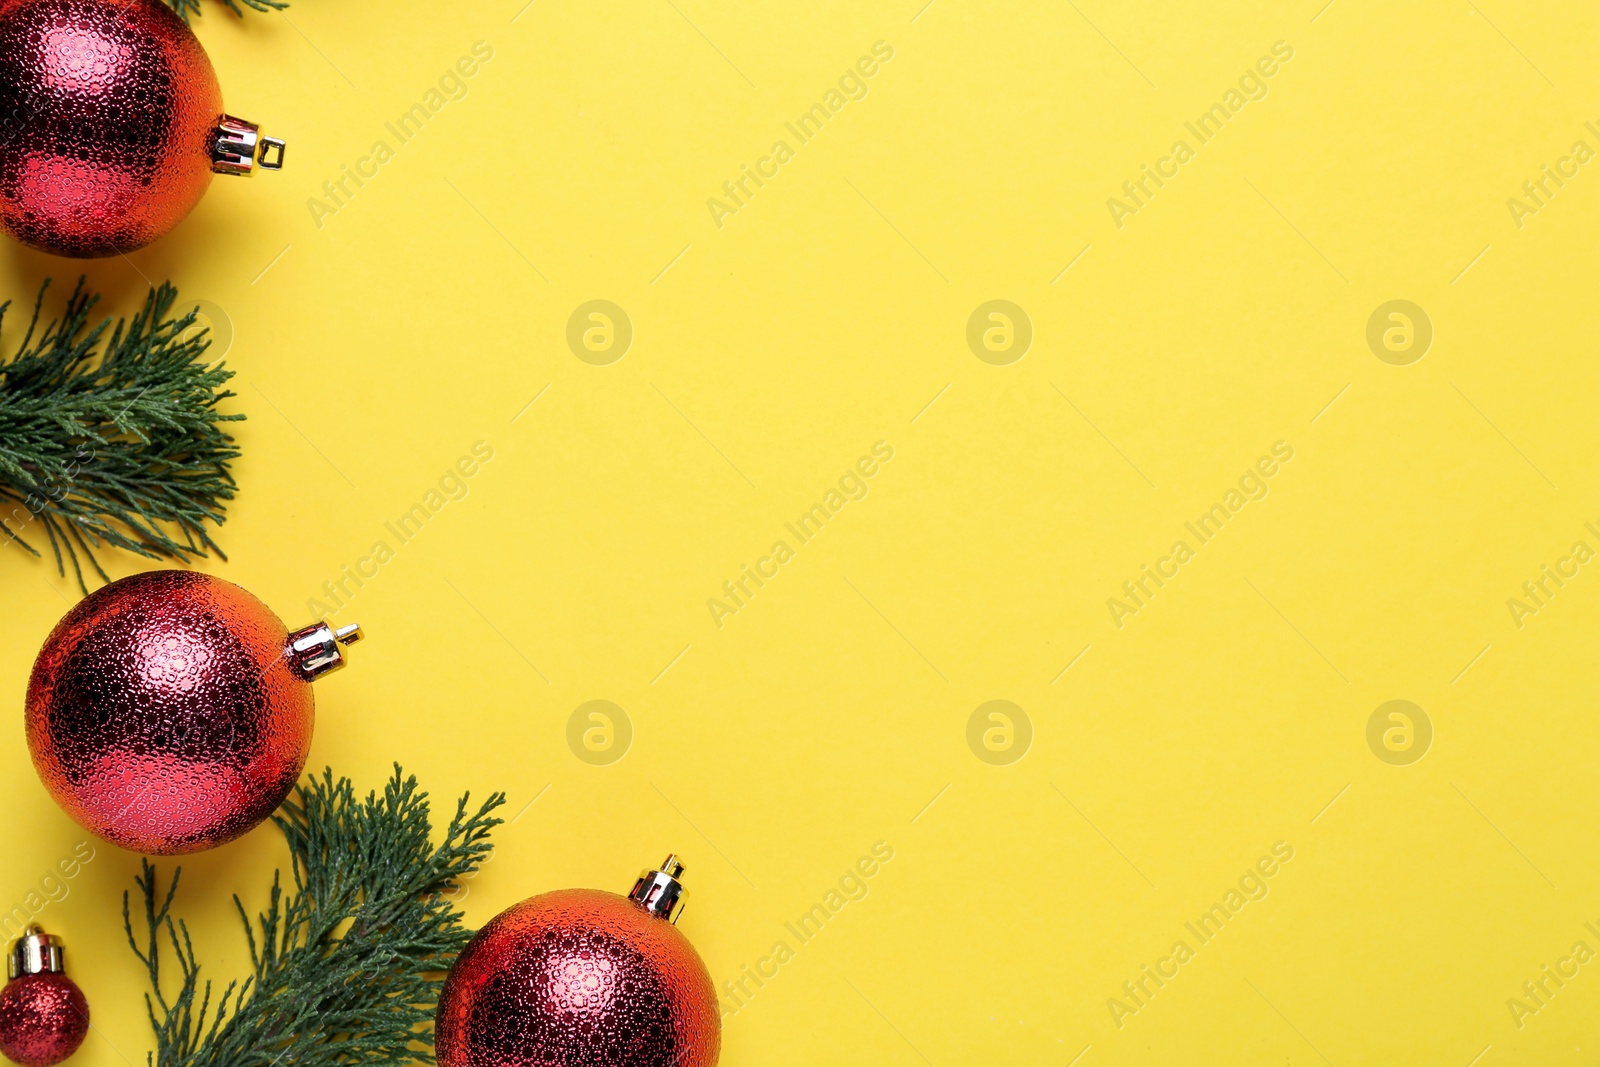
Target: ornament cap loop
x: 659, y: 892
x: 36, y: 952
x: 315, y: 650
x: 275, y: 146
x: 239, y: 148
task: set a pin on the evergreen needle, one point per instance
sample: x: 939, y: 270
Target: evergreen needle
x: 113, y: 440
x: 349, y: 962
x: 192, y: 7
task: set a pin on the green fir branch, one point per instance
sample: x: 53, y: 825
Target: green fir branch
x: 185, y: 8
x: 117, y: 444
x: 348, y: 964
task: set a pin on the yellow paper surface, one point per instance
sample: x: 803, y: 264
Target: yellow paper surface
x: 1180, y: 740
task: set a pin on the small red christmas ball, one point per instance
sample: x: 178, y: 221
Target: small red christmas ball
x: 111, y: 124
x: 43, y: 1019
x: 171, y: 711
x: 582, y: 978
x: 43, y: 1014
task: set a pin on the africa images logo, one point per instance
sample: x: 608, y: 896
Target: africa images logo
x: 852, y: 485
x: 1251, y: 886
x: 852, y: 85
x: 1252, y: 85
x: 1252, y: 485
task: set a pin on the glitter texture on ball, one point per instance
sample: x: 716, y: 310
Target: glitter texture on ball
x: 43, y: 1019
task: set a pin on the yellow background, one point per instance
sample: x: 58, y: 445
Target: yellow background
x: 1229, y: 313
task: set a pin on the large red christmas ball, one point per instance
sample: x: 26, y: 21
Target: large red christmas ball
x: 578, y: 978
x: 111, y: 124
x: 171, y: 711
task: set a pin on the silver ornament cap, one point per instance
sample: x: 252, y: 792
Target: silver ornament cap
x: 237, y: 147
x: 315, y: 650
x: 659, y: 892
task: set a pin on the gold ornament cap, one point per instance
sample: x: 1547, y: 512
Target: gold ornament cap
x: 36, y: 952
x: 659, y: 892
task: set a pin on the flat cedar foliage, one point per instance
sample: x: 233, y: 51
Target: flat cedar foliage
x: 110, y: 435
x: 187, y: 8
x: 348, y: 963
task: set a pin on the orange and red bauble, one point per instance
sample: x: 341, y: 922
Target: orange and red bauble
x: 111, y: 124
x: 582, y: 977
x: 171, y: 711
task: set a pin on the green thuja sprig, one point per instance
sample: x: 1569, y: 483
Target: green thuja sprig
x: 349, y: 963
x: 185, y: 8
x: 113, y: 441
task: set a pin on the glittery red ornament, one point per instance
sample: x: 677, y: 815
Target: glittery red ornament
x: 111, y: 124
x: 582, y: 978
x: 43, y: 1016
x: 171, y: 711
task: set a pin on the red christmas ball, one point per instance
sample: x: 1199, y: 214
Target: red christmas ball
x: 43, y: 1014
x: 43, y: 1019
x: 582, y: 978
x: 171, y: 711
x: 111, y: 124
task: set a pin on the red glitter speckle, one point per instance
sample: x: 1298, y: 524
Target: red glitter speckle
x: 43, y: 1019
